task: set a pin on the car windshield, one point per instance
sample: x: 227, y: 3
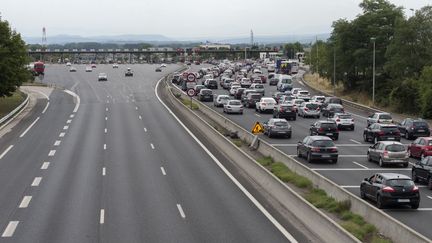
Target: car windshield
x: 395, y: 148
x: 323, y: 143
x: 255, y: 96
x: 385, y: 116
x: 259, y: 86
x: 400, y: 182
x: 286, y: 81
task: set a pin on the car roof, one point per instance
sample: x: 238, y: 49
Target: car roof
x: 278, y: 120
x: 320, y: 138
x: 327, y: 121
x: 390, y: 142
x: 386, y: 125
x: 389, y: 176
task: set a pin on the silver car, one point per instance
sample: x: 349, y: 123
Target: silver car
x: 309, y: 109
x: 221, y: 100
x: 277, y: 127
x: 233, y: 106
x: 259, y: 88
x: 388, y: 152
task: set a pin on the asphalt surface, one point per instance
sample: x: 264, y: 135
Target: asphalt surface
x: 120, y: 169
x: 352, y: 166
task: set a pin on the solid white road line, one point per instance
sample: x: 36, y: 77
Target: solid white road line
x: 68, y: 121
x: 36, y: 181
x: 46, y: 107
x: 25, y: 202
x: 257, y: 115
x: 29, y: 127
x: 136, y: 107
x: 62, y: 134
x: 65, y: 127
x: 354, y: 141
x: 337, y: 145
x: 350, y: 186
x: 152, y: 146
x: 424, y: 209
x: 353, y: 155
x: 360, y: 165
x: 103, y: 171
x: 163, y: 171
x: 102, y: 216
x: 283, y: 231
x: 51, y: 153
x: 145, y: 129
x: 45, y: 165
x: 300, y: 82
x: 180, y: 209
x: 77, y: 98
x: 359, y: 169
x: 57, y: 143
x: 105, y: 146
x: 6, y: 151
x: 10, y: 229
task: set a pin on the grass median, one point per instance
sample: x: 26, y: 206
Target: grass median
x: 8, y: 104
x: 353, y: 223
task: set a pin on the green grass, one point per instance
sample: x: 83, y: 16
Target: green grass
x: 187, y: 102
x: 8, y: 104
x: 265, y: 161
x: 238, y: 142
x: 286, y: 175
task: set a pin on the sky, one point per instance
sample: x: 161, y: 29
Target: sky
x: 182, y: 18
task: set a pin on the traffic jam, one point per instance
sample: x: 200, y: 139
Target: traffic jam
x: 383, y: 161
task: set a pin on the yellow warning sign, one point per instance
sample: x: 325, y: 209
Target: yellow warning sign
x: 257, y: 128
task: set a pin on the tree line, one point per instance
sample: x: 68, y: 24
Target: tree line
x: 403, y: 56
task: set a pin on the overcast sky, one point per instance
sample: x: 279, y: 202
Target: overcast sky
x: 182, y: 18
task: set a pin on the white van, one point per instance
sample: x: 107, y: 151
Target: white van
x: 284, y: 79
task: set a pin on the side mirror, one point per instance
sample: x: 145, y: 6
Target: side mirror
x: 366, y: 179
x: 372, y: 146
x: 299, y: 142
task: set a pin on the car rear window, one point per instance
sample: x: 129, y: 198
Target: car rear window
x: 304, y: 92
x: 286, y: 81
x: 400, y: 182
x: 390, y: 129
x: 395, y: 148
x: 281, y: 124
x: 323, y: 143
x: 385, y: 116
x: 335, y: 101
x: 285, y: 107
x: 345, y: 116
x: 235, y: 102
x: 206, y: 92
x: 312, y: 106
x: 259, y: 86
x: 255, y: 96
x: 328, y: 125
x: 421, y: 124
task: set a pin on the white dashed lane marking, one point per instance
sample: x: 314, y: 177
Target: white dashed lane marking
x: 102, y: 216
x: 57, y: 143
x: 145, y: 129
x: 180, y: 209
x: 163, y: 171
x: 6, y: 151
x: 152, y: 146
x: 10, y: 229
x: 36, y: 181
x: 51, y: 153
x: 68, y: 121
x: 62, y: 134
x: 45, y: 165
x: 25, y: 202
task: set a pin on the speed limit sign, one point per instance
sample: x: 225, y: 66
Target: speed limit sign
x: 191, y: 77
x: 191, y: 92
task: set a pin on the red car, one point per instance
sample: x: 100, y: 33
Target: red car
x: 421, y: 147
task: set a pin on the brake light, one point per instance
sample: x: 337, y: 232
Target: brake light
x: 338, y: 120
x: 397, y: 133
x: 306, y: 109
x: 381, y: 133
x: 315, y: 149
x: 385, y: 154
x: 333, y: 150
x: 352, y: 120
x: 388, y: 189
x: 415, y: 189
x: 321, y: 129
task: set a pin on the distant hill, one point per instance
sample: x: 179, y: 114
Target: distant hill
x: 161, y: 39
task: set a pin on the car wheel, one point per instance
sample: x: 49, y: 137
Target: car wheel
x: 369, y: 157
x: 289, y: 136
x: 299, y: 153
x: 365, y: 137
x: 309, y: 159
x: 352, y: 128
x: 334, y: 161
x: 294, y: 119
x: 405, y: 165
x: 380, y: 204
x: 406, y: 135
x: 318, y: 116
x: 381, y: 163
x: 376, y: 139
x: 269, y: 134
x: 429, y: 184
x: 414, y: 176
x: 415, y: 205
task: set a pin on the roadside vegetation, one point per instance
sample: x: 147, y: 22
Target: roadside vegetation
x: 353, y: 223
x: 403, y: 49
x: 8, y: 104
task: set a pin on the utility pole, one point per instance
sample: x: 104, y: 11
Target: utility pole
x: 334, y: 70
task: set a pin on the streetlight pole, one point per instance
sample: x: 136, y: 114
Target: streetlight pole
x: 334, y: 70
x: 373, y: 39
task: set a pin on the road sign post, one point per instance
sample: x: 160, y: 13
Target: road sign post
x: 191, y: 93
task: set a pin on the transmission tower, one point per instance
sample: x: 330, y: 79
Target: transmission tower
x: 251, y: 38
x: 44, y: 38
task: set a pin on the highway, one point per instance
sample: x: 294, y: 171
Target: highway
x: 352, y: 166
x: 116, y: 167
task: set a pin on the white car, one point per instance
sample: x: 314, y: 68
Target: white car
x: 296, y: 103
x: 102, y: 77
x: 245, y: 83
x: 258, y: 87
x: 221, y: 100
x: 303, y: 94
x: 89, y: 69
x: 294, y: 91
x: 233, y: 89
x: 257, y: 71
x: 115, y: 65
x: 318, y: 99
x: 344, y: 120
x: 233, y: 106
x: 68, y: 64
x: 163, y: 65
x: 266, y: 104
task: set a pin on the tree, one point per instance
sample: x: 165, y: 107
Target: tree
x: 291, y: 49
x: 13, y: 60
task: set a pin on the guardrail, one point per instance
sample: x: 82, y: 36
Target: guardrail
x: 15, y: 111
x: 386, y: 224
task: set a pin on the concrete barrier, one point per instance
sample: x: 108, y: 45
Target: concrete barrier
x: 15, y: 111
x: 386, y: 224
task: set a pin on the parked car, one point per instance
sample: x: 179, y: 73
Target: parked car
x: 325, y: 128
x: 390, y: 189
x: 205, y: 95
x: 379, y: 117
x: 331, y: 109
x: 344, y: 121
x: 422, y: 171
x: 421, y: 147
x: 317, y: 148
x: 388, y: 152
x: 265, y: 104
x: 381, y: 132
x: 286, y: 111
x: 221, y: 100
x: 102, y: 77
x: 277, y: 127
x: 412, y: 128
x: 233, y: 106
x: 259, y: 88
x: 309, y: 109
x: 128, y: 73
x: 251, y: 100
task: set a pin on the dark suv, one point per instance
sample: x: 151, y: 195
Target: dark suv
x: 325, y: 128
x: 286, y: 111
x: 422, y: 171
x: 205, y: 95
x: 412, y: 128
x: 331, y: 109
x: 212, y: 84
x: 390, y: 189
x: 251, y: 99
x: 381, y: 132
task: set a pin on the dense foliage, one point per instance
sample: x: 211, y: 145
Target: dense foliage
x: 403, y: 55
x: 13, y: 60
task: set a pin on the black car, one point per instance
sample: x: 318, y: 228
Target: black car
x: 325, y: 128
x: 277, y: 127
x: 176, y: 79
x: 381, y: 132
x: 205, y: 95
x: 212, y: 84
x: 331, y: 109
x: 273, y: 81
x: 390, y: 189
x: 198, y: 88
x: 251, y: 99
x: 286, y: 111
x: 412, y: 128
x: 238, y: 93
x: 422, y: 171
x: 129, y: 73
x: 317, y: 148
x: 158, y: 70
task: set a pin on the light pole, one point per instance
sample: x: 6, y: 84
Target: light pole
x: 334, y: 70
x: 373, y: 39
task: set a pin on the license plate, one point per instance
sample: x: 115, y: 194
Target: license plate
x: 329, y: 134
x: 281, y: 132
x: 421, y: 130
x: 325, y: 156
x: 390, y: 138
x: 403, y: 200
